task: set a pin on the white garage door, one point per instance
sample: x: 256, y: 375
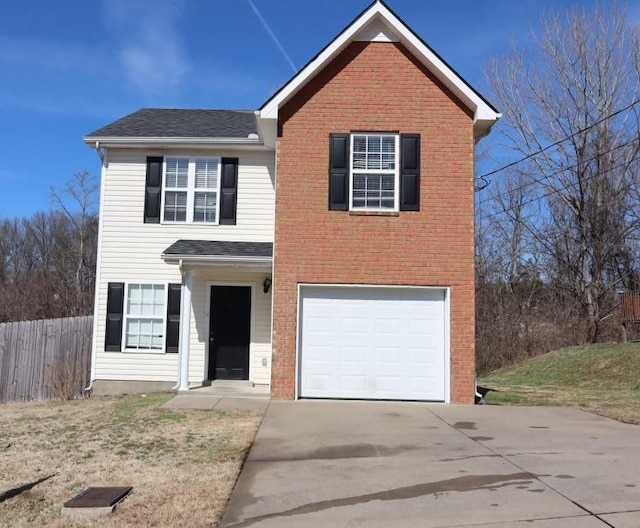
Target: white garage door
x: 372, y: 343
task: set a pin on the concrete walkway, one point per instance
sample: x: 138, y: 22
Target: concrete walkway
x: 378, y: 464
x: 221, y: 399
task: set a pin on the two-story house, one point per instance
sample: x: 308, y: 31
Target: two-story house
x: 322, y: 244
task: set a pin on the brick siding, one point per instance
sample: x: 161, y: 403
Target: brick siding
x: 375, y: 87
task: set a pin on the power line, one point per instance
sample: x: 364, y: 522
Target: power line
x: 533, y: 181
x: 555, y: 191
x: 528, y: 156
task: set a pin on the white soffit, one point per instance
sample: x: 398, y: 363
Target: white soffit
x: 379, y: 24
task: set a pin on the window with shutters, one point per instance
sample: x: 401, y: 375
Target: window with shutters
x: 191, y: 186
x: 374, y: 175
x: 144, y: 317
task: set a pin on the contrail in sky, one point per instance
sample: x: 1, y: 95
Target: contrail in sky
x: 273, y: 37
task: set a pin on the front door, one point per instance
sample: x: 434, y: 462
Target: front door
x: 229, y: 332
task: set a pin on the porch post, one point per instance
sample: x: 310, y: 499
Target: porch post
x: 185, y: 327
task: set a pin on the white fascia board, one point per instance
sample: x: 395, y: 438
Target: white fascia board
x: 270, y: 110
x: 217, y: 259
x: 481, y: 110
x: 155, y: 142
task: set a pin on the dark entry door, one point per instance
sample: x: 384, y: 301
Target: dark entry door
x: 229, y: 332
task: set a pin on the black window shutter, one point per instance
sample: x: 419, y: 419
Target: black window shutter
x: 339, y: 172
x: 229, y: 191
x: 410, y: 172
x: 173, y: 318
x: 153, y: 190
x: 115, y: 303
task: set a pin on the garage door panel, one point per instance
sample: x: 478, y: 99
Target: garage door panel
x: 372, y: 343
x: 390, y: 356
x: 355, y: 356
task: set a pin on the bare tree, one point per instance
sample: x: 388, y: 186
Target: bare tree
x: 78, y: 201
x: 570, y: 103
x: 47, y: 261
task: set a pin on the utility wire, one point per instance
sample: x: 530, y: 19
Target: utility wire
x: 555, y: 191
x: 533, y: 181
x: 538, y: 152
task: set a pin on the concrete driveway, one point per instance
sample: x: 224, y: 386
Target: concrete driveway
x: 325, y: 463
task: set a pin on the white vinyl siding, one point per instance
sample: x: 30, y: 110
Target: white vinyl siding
x: 374, y: 172
x: 190, y: 189
x: 131, y: 249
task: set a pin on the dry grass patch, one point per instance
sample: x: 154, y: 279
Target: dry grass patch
x: 182, y: 464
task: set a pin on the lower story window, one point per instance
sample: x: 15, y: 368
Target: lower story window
x: 145, y: 310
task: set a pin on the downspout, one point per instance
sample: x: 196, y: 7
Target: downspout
x: 102, y: 153
x: 259, y: 126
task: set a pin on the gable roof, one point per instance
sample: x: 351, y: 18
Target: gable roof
x: 379, y: 23
x: 156, y: 123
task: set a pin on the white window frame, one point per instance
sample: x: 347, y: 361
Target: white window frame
x: 395, y: 172
x: 126, y: 317
x: 191, y: 189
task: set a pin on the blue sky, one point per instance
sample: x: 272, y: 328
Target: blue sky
x: 71, y: 66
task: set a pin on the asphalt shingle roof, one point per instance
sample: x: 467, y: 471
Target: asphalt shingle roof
x: 204, y: 248
x: 167, y: 122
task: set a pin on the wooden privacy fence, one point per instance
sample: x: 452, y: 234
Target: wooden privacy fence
x: 45, y: 360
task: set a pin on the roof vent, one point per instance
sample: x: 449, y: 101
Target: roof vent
x: 253, y: 136
x: 376, y: 31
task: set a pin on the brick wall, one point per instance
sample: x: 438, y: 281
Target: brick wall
x: 375, y: 87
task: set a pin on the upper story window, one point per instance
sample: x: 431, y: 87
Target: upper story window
x: 191, y: 189
x: 374, y: 171
x: 199, y: 190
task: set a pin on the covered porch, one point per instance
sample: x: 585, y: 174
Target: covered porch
x: 226, y: 305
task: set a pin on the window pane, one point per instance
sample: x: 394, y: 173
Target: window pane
x: 374, y: 152
x: 206, y: 174
x: 204, y: 209
x: 373, y: 191
x: 359, y: 160
x: 177, y: 173
x: 389, y: 144
x: 145, y: 316
x: 360, y: 144
x: 175, y: 206
x: 374, y: 143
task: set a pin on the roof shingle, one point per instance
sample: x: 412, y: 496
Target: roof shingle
x: 181, y: 123
x: 205, y: 248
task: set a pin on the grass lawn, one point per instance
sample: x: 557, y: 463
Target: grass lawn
x: 603, y: 379
x: 182, y: 464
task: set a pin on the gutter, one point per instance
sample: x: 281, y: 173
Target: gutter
x: 214, y: 259
x: 137, y: 142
